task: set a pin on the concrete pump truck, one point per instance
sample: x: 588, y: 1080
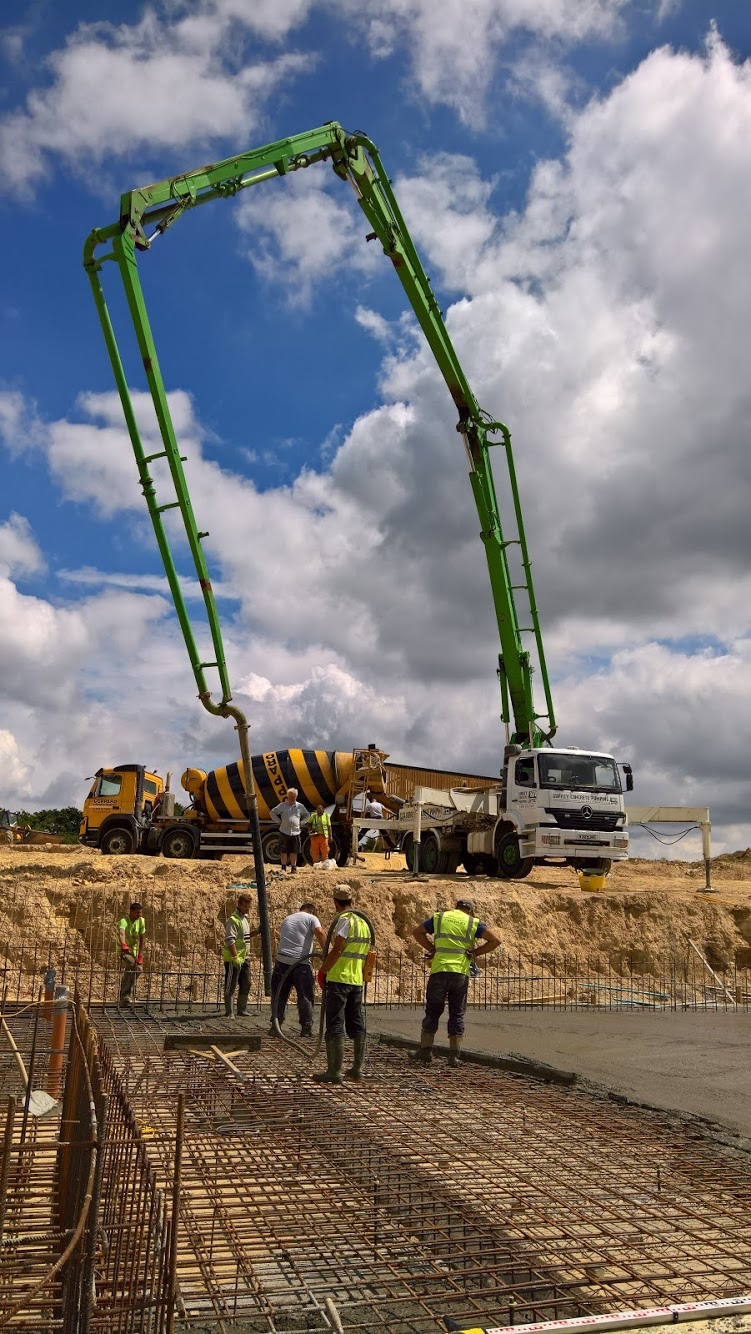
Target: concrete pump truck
x: 562, y: 805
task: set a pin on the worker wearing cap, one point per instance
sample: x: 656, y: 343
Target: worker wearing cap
x: 237, y: 934
x: 131, y: 933
x: 342, y: 975
x: 451, y: 952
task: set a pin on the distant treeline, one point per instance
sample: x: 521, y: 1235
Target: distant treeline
x: 65, y: 821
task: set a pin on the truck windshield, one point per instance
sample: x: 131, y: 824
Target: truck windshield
x: 586, y: 773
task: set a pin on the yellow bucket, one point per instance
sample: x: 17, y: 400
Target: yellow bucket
x: 591, y: 882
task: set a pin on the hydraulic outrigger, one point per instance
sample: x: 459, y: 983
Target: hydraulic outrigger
x: 145, y: 215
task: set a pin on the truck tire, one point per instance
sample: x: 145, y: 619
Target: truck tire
x: 432, y: 860
x: 341, y: 851
x: 179, y: 843
x: 511, y: 864
x: 473, y: 864
x: 270, y: 846
x: 118, y: 842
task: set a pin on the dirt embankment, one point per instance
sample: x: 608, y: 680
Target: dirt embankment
x: 64, y: 902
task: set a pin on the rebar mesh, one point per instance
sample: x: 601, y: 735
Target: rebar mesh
x: 422, y: 1194
x: 626, y: 980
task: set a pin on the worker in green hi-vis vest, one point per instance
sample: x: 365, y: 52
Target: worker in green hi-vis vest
x: 452, y: 952
x: 237, y: 937
x: 342, y: 975
x: 131, y: 933
x: 319, y: 828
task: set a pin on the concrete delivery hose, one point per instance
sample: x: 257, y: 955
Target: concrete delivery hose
x: 305, y: 958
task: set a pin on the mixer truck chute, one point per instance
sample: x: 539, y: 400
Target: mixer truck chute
x: 511, y: 839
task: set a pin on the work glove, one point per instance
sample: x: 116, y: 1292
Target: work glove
x: 139, y: 963
x: 321, y: 978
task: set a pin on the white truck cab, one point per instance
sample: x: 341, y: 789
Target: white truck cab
x: 551, y: 805
x: 565, y: 804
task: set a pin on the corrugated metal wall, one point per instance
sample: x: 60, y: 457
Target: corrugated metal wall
x: 402, y: 779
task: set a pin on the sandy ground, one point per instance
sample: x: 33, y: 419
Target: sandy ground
x: 648, y: 909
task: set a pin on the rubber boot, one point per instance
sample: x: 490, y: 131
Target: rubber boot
x: 306, y: 1032
x: 425, y: 1052
x: 355, y: 1070
x: 455, y: 1047
x: 242, y: 1003
x: 335, y: 1060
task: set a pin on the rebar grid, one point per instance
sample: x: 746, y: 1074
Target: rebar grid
x: 29, y: 1236
x: 84, y: 1234
x: 423, y: 1194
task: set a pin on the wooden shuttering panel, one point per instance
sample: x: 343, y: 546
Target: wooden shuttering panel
x: 402, y: 779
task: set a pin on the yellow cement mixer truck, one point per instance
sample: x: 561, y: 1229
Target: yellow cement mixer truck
x: 130, y: 809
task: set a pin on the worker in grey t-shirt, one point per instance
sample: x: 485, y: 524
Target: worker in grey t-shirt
x: 290, y: 816
x: 300, y: 931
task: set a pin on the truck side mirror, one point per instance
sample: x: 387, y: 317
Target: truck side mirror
x: 628, y: 771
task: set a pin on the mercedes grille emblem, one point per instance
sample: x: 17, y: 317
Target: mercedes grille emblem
x: 586, y: 812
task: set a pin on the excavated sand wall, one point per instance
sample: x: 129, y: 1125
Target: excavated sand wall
x: 64, y: 902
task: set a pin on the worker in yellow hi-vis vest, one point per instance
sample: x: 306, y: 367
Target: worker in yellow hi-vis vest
x: 131, y: 933
x: 342, y: 974
x: 237, y: 936
x: 319, y: 828
x: 451, y: 952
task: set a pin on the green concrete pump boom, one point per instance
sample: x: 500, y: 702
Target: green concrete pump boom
x: 145, y: 214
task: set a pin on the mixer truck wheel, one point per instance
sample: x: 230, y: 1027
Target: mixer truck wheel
x: 473, y: 864
x: 270, y: 845
x: 511, y: 864
x: 118, y: 842
x: 341, y: 852
x: 178, y: 844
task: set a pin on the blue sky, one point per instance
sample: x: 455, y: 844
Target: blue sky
x: 575, y: 176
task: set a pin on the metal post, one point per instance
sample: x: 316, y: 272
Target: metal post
x: 172, y: 1259
x: 416, y: 840
x: 49, y: 992
x: 706, y: 827
x: 10, y: 1117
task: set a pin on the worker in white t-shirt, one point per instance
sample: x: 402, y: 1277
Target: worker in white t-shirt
x: 374, y: 809
x: 298, y: 934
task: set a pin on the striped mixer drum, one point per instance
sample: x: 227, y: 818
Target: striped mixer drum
x: 318, y: 776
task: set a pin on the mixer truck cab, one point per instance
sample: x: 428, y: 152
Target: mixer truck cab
x: 119, y: 809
